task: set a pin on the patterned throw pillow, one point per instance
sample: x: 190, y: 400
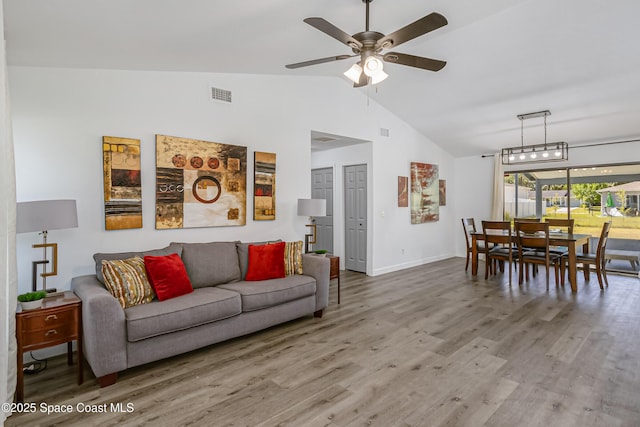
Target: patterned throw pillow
x: 126, y: 279
x: 293, y: 258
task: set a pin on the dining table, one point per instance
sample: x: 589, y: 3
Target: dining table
x: 571, y: 241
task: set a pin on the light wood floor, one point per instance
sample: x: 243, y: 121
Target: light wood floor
x: 427, y: 346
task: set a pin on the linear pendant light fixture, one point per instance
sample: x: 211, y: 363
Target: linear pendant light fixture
x: 547, y: 152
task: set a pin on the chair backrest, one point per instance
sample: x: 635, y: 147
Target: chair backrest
x: 497, y: 232
x: 602, y: 242
x: 532, y: 235
x: 469, y: 225
x: 565, y: 224
x: 527, y: 220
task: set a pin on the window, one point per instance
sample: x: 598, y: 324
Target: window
x: 590, y: 195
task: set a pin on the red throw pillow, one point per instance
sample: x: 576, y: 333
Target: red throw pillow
x: 266, y: 262
x: 167, y: 276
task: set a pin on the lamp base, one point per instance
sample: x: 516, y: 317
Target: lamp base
x: 53, y: 292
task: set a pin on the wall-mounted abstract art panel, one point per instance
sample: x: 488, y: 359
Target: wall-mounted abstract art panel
x: 122, y: 183
x: 264, y: 186
x: 442, y: 193
x: 424, y: 193
x: 199, y: 183
x: 403, y: 192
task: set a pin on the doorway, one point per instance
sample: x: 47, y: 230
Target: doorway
x: 322, y: 188
x: 355, y: 198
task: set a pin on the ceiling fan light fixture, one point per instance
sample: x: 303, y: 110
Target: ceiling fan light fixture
x: 378, y: 77
x: 354, y: 72
x: 373, y: 66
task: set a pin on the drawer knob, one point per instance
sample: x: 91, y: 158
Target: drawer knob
x: 51, y: 332
x: 50, y: 317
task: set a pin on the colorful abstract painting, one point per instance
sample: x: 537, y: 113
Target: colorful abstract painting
x: 442, y: 187
x: 122, y: 183
x: 403, y: 192
x: 199, y: 183
x: 424, y: 193
x: 264, y: 186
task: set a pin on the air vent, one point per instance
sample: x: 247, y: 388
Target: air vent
x: 220, y: 94
x: 384, y: 132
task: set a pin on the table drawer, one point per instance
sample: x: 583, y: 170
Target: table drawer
x: 47, y: 320
x: 60, y: 333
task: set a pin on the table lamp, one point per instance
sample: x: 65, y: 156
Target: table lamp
x: 42, y: 216
x: 310, y: 208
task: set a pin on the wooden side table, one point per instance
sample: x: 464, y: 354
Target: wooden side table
x: 334, y: 272
x: 58, y: 321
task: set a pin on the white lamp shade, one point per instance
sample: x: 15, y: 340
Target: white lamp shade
x: 372, y: 66
x: 46, y: 215
x: 378, y: 77
x: 353, y: 73
x: 312, y: 207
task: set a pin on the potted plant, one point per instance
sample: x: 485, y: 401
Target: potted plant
x: 320, y: 252
x: 32, y: 300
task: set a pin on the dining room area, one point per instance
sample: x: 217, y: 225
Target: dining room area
x: 567, y: 226
x: 507, y: 246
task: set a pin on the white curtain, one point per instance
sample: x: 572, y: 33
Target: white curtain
x: 497, y: 205
x: 8, y: 281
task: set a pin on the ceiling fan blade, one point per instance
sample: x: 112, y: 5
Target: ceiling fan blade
x: 422, y: 26
x: 414, y: 61
x: 333, y: 31
x: 364, y: 80
x: 318, y: 61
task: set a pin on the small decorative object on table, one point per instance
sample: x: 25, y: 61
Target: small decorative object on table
x: 31, y: 300
x: 320, y: 252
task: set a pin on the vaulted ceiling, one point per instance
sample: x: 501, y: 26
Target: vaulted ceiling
x: 580, y: 59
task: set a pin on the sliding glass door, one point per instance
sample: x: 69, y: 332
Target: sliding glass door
x: 590, y: 195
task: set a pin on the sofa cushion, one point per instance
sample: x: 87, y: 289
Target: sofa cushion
x: 173, y: 248
x: 126, y: 280
x: 210, y: 264
x: 266, y: 262
x: 268, y: 293
x: 167, y: 276
x: 201, y: 306
x: 243, y: 255
x: 293, y: 258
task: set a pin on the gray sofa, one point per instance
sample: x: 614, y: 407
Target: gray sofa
x: 222, y: 306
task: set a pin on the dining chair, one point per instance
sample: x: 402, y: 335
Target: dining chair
x: 596, y: 259
x: 532, y: 240
x: 498, y: 245
x: 566, y: 226
x: 469, y: 226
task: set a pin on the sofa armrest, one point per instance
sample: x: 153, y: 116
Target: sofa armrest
x: 103, y: 325
x: 318, y: 268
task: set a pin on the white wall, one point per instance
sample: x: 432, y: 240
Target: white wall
x: 61, y: 115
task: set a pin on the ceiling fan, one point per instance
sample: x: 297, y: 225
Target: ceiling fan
x: 370, y: 44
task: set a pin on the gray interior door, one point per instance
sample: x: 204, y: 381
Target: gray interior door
x: 322, y: 188
x: 355, y: 186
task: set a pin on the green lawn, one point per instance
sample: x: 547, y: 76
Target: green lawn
x: 591, y: 223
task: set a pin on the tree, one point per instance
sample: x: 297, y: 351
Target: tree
x: 588, y: 193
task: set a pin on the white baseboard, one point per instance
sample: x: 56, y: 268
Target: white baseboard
x: 409, y: 264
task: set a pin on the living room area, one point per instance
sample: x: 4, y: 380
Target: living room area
x: 415, y: 339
